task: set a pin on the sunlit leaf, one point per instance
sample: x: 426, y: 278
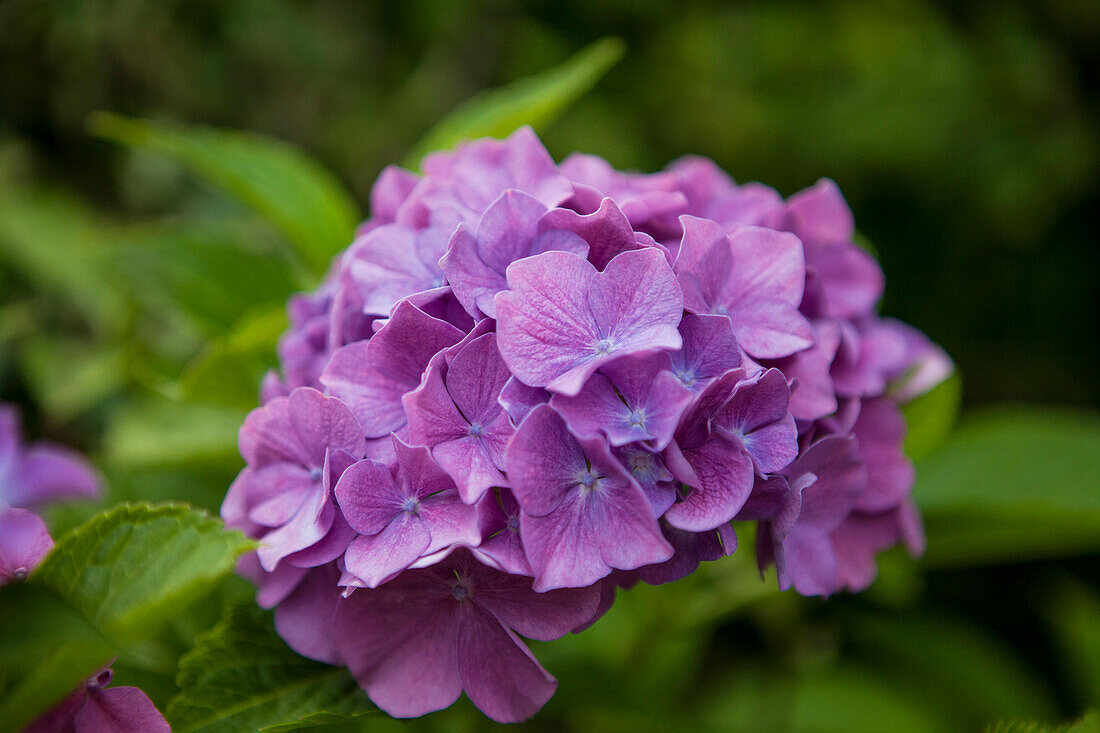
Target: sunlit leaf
x: 280, y: 182
x: 534, y: 100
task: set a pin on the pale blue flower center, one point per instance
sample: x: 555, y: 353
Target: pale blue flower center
x: 437, y: 283
x: 686, y: 378
x: 410, y: 505
x: 513, y: 524
x: 314, y: 474
x: 636, y: 418
x: 641, y: 464
x: 476, y: 430
x: 460, y: 592
x: 603, y: 346
x: 589, y: 480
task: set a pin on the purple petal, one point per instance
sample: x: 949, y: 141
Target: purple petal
x: 518, y: 399
x: 368, y: 496
x: 723, y: 473
x: 323, y: 423
x: 52, y: 473
x: 544, y: 460
x: 880, y: 430
x: 376, y: 558
x: 691, y: 548
x: 119, y: 710
x: 399, y: 642
x: 308, y: 526
x: 838, y: 478
x: 820, y: 213
x: 647, y: 468
x: 710, y: 349
x: 24, y: 541
x: 606, y: 231
x: 501, y: 547
x: 370, y: 377
x: 304, y: 619
x: 813, y: 396
x: 499, y: 673
x: 389, y: 191
x: 392, y: 262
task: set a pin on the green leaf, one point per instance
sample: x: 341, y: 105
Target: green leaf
x: 210, y: 273
x: 1088, y: 724
x: 57, y: 244
x: 280, y: 182
x: 103, y: 590
x: 534, y: 100
x: 1013, y: 483
x: 134, y: 567
x: 930, y: 418
x: 229, y: 369
x: 48, y: 648
x: 68, y: 376
x: 161, y: 432
x: 242, y: 676
x: 1075, y: 611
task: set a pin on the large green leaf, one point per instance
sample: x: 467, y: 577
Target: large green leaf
x: 242, y: 676
x: 285, y: 186
x: 133, y: 567
x: 1075, y: 612
x: 534, y: 100
x: 211, y: 273
x: 105, y: 588
x: 1013, y: 483
x: 56, y: 243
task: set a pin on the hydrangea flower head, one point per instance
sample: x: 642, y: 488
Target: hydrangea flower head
x: 526, y: 384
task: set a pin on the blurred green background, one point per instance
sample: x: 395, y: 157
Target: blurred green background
x: 964, y: 136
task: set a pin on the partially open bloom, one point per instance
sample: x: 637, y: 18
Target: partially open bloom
x: 526, y: 384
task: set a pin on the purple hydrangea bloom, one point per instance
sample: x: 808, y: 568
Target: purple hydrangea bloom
x: 544, y: 383
x: 416, y: 643
x: 561, y: 318
x: 583, y: 514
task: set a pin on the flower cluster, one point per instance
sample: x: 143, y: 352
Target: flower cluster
x: 525, y: 383
x: 31, y: 477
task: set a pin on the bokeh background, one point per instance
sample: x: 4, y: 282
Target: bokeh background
x: 964, y: 135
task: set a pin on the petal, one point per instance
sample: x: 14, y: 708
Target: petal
x: 725, y: 477
x: 400, y: 643
x: 304, y: 619
x: 544, y: 326
x: 376, y: 558
x: 543, y: 616
x: 323, y: 423
x: 308, y: 526
x: 544, y: 461
x: 370, y: 377
x: 637, y: 303
x: 606, y: 231
x: 51, y: 473
x: 119, y: 710
x: 24, y: 541
x: 368, y: 496
x: 499, y: 673
x: 769, y: 329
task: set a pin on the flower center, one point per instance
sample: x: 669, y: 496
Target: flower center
x: 475, y: 430
x: 437, y: 283
x: 603, y: 346
x: 460, y: 592
x: 512, y: 524
x: 589, y: 480
x: 20, y: 573
x: 686, y: 378
x: 641, y: 463
x: 314, y: 474
x: 636, y: 418
x: 410, y: 505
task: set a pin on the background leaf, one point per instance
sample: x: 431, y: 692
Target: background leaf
x: 242, y: 676
x: 534, y: 100
x: 1013, y: 483
x: 285, y: 186
x: 930, y: 418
